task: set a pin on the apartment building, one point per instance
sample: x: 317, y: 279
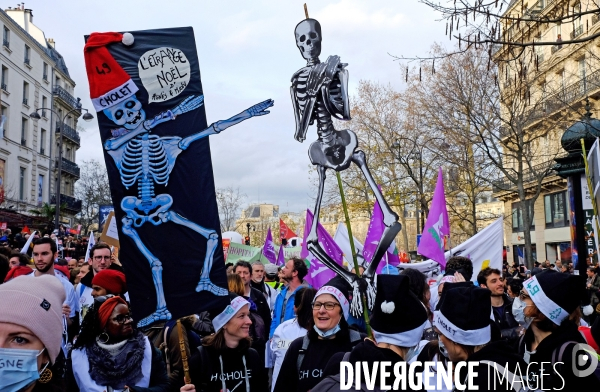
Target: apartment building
x: 34, y: 76
x: 556, y: 80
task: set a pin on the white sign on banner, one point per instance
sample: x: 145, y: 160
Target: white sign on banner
x: 586, y: 198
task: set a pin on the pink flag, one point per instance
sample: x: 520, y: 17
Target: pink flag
x: 280, y: 257
x: 376, y: 227
x: 437, y: 225
x: 269, y: 249
x: 318, y: 273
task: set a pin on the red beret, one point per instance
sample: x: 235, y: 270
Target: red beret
x: 112, y: 281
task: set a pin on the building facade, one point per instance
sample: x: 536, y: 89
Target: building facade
x: 558, y: 80
x: 34, y: 76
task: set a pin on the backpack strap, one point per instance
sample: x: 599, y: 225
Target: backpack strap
x: 205, y: 368
x: 302, y: 351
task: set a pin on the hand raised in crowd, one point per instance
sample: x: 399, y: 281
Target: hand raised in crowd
x: 458, y: 277
x: 188, y: 387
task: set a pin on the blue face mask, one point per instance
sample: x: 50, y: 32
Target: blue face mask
x: 327, y: 334
x: 18, y: 368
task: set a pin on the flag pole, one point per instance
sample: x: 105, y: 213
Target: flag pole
x: 351, y: 237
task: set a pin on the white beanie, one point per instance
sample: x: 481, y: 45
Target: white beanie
x: 36, y: 304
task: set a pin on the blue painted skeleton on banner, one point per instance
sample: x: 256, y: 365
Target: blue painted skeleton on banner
x: 145, y: 160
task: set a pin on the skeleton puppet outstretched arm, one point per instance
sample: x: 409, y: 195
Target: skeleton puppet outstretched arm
x: 260, y: 109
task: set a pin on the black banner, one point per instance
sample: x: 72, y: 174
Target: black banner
x: 161, y: 180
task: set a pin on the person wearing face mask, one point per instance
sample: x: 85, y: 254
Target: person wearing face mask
x: 307, y: 356
x: 31, y: 326
x: 398, y: 321
x: 463, y: 321
x: 110, y: 354
x: 549, y: 344
x: 225, y: 361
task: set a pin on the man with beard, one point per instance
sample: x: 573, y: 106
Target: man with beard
x: 491, y: 279
x: 258, y: 282
x: 292, y: 273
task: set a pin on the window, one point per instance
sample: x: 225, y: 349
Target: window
x: 45, y: 72
x: 67, y: 189
x: 24, y: 126
x: 43, y: 142
x: 25, y: 93
x: 4, y: 78
x: 44, y: 105
x: 517, y: 216
x: 4, y: 112
x: 22, y: 183
x: 68, y: 154
x: 26, y: 60
x: 57, y: 81
x: 6, y: 37
x: 555, y: 210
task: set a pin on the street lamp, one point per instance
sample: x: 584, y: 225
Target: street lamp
x: 87, y: 116
x: 248, y: 225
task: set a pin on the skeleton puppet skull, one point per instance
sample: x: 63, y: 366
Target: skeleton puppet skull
x: 308, y: 38
x: 128, y: 114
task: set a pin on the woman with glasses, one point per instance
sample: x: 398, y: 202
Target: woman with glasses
x: 111, y: 355
x: 307, y: 356
x: 543, y: 307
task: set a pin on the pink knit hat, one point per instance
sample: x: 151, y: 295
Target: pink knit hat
x: 36, y: 304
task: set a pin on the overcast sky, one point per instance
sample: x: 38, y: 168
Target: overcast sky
x: 247, y: 54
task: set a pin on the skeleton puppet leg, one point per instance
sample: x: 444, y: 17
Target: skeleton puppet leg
x: 161, y: 312
x: 212, y: 241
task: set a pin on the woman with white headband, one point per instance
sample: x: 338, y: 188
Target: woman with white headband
x: 543, y: 308
x: 225, y: 361
x: 307, y: 356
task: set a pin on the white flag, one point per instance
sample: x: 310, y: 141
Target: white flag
x: 28, y: 243
x: 91, y: 242
x: 484, y: 248
x: 342, y: 238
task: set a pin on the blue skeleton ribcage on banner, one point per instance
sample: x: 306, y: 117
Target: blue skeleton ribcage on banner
x: 145, y: 159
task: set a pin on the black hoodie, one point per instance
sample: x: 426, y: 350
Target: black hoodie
x: 367, y: 351
x: 565, y: 380
x: 489, y: 378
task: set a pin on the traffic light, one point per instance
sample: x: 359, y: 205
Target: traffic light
x: 247, y: 240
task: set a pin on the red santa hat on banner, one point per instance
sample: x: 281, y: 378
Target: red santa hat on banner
x: 109, y: 83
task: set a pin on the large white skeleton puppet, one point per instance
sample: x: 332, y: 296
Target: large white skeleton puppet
x: 145, y: 160
x: 319, y: 92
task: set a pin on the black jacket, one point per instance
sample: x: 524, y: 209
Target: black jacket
x: 489, y: 378
x: 557, y: 376
x: 506, y: 321
x: 316, y: 357
x: 207, y: 374
x: 262, y: 307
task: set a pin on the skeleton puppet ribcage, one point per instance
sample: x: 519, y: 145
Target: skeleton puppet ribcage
x: 144, y: 161
x: 320, y: 111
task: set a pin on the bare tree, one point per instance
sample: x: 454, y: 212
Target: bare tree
x: 229, y: 201
x: 93, y: 190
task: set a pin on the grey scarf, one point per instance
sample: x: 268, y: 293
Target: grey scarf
x: 117, y: 369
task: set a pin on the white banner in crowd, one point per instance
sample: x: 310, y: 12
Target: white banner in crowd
x: 28, y: 243
x: 484, y: 248
x: 342, y: 239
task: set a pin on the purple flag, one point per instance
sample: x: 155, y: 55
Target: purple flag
x: 376, y: 227
x: 280, y: 257
x: 318, y: 273
x: 269, y: 248
x: 437, y: 225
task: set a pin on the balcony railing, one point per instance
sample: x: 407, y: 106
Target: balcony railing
x: 69, y: 132
x: 555, y: 48
x: 66, y: 97
x: 70, y: 167
x: 68, y: 202
x: 577, y: 32
x: 529, y: 175
x: 4, y: 86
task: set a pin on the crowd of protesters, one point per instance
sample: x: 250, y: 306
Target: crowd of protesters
x: 69, y: 323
